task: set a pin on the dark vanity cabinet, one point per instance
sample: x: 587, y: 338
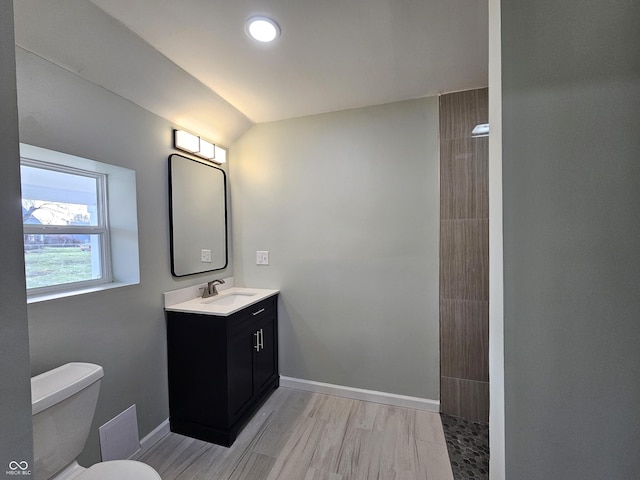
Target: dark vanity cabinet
x: 221, y: 369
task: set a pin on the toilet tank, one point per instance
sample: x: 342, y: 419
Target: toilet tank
x: 63, y: 401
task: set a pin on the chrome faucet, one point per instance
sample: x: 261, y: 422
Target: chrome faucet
x: 210, y: 289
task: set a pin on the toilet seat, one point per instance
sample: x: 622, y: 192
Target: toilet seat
x: 119, y: 470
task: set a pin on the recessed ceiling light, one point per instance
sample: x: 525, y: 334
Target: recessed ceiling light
x: 262, y: 29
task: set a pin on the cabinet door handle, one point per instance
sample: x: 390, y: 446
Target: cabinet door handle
x: 261, y: 339
x: 257, y: 345
x: 259, y: 311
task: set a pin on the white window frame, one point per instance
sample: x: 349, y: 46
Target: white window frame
x: 101, y: 229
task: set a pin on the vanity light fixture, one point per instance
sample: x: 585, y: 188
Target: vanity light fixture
x: 188, y: 142
x: 263, y: 29
x: 480, y: 130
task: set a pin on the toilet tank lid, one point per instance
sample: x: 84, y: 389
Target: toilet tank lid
x: 53, y: 386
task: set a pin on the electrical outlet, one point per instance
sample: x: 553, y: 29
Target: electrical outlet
x: 205, y: 256
x: 262, y: 258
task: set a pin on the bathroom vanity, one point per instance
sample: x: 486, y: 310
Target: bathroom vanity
x: 222, y: 361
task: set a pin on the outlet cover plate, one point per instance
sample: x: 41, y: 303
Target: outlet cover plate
x: 262, y: 257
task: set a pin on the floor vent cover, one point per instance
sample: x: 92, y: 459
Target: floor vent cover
x: 119, y: 436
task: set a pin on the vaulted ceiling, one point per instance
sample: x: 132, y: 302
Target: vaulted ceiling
x: 189, y: 60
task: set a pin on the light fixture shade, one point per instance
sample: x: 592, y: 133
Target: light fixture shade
x: 207, y: 150
x: 221, y: 155
x: 186, y: 141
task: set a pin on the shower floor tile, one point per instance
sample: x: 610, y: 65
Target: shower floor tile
x: 468, y: 446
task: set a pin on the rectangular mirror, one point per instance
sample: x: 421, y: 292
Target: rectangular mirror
x: 198, y: 216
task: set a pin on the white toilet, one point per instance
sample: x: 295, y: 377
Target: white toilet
x: 63, y: 402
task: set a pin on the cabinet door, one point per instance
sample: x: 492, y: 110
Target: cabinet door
x: 265, y: 366
x: 196, y: 350
x: 240, y: 382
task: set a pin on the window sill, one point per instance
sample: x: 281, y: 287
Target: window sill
x: 71, y: 293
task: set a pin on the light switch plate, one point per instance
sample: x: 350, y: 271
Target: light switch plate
x: 205, y: 256
x: 262, y: 258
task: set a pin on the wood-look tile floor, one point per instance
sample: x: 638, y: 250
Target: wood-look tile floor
x: 298, y: 435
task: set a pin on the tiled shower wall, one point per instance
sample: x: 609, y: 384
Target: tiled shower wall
x: 464, y: 256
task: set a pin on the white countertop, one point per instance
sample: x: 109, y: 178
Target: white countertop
x: 229, y: 300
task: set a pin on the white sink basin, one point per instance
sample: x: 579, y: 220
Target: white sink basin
x: 228, y: 301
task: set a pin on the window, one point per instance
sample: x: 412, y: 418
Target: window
x: 66, y: 234
x: 80, y: 224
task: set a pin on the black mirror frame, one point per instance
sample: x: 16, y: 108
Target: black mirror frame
x: 171, y: 218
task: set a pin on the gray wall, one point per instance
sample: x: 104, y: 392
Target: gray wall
x: 347, y: 205
x: 15, y: 391
x: 121, y: 329
x: 571, y: 166
x: 84, y: 39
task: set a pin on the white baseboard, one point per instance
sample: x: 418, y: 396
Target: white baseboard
x: 317, y: 387
x: 151, y: 439
x: 362, y: 394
